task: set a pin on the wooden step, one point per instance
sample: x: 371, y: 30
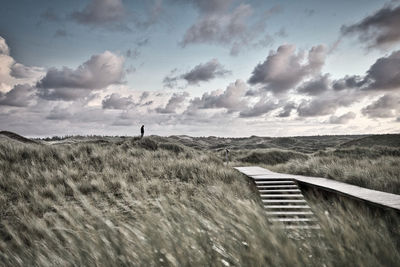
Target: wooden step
x: 274, y: 182
x: 289, y: 213
x: 283, y: 201
x: 287, y: 207
x: 292, y: 219
x: 310, y: 227
x: 271, y: 178
x: 281, y: 195
x: 276, y: 186
x: 280, y: 191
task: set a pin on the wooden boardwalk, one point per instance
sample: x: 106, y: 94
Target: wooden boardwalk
x: 282, y: 199
x: 382, y: 199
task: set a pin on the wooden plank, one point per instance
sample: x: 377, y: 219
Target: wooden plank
x: 252, y: 170
x: 283, y: 201
x: 289, y: 213
x: 271, y: 176
x: 292, y: 219
x: 279, y: 191
x: 298, y: 227
x: 281, y: 195
x: 274, y: 182
x: 276, y: 186
x: 286, y: 207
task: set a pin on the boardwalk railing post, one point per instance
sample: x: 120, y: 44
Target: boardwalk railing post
x: 227, y: 156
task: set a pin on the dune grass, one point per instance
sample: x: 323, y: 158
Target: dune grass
x: 151, y: 202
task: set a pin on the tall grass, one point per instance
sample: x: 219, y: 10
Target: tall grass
x: 149, y: 203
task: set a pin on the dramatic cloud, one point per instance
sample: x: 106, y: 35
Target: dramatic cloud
x: 384, y: 74
x: 116, y: 101
x: 98, y: 72
x: 200, y: 73
x: 379, y: 30
x: 99, y: 12
x: 210, y: 6
x: 20, y: 71
x: 317, y: 107
x: 262, y: 107
x: 174, y: 103
x: 231, y: 99
x: 316, y: 86
x: 284, y: 69
x: 343, y: 119
x: 216, y: 28
x: 205, y: 72
x: 387, y: 106
x: 19, y: 96
x: 348, y: 82
x: 287, y: 109
x: 12, y: 72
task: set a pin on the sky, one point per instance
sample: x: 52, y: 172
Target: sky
x: 199, y: 67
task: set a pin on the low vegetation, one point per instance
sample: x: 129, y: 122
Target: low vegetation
x: 156, y: 202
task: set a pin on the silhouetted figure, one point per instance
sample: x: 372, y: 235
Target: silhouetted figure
x: 141, y: 132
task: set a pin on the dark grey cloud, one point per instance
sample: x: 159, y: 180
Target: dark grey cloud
x: 343, y: 119
x: 144, y: 95
x: 315, y: 86
x: 348, y: 82
x: 99, y: 12
x: 228, y: 23
x: 98, y: 72
x: 210, y: 6
x: 379, y: 30
x: 174, y: 103
x: 116, y: 101
x: 263, y: 106
x: 20, y: 95
x: 200, y: 73
x: 225, y: 28
x: 59, y: 114
x: 317, y: 107
x: 171, y: 80
x: 284, y: 69
x: 232, y: 98
x: 113, y: 15
x: 387, y: 106
x: 205, y: 72
x: 384, y: 74
x: 21, y: 71
x: 287, y: 110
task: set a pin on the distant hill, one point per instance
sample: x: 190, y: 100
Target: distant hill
x: 305, y: 144
x: 391, y: 140
x: 16, y: 137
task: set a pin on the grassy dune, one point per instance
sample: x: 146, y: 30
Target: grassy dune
x: 156, y: 202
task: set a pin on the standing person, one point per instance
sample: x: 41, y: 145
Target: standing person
x: 141, y: 132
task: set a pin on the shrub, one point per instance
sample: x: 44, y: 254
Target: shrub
x: 148, y: 143
x: 172, y: 147
x: 272, y: 157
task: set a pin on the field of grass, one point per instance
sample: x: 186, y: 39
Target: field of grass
x: 157, y: 202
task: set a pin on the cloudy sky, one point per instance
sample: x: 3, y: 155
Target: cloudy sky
x: 200, y: 67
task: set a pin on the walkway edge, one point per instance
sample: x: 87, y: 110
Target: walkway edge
x: 382, y: 199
